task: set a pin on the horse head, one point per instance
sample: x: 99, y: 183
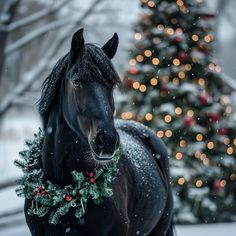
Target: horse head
x: 86, y: 78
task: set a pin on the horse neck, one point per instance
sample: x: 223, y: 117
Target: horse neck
x: 62, y: 151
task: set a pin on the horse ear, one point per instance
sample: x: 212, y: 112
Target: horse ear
x: 77, y: 42
x: 111, y: 46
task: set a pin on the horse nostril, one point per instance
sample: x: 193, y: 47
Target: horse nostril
x: 99, y: 142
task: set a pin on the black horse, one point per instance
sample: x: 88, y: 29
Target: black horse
x: 77, y: 110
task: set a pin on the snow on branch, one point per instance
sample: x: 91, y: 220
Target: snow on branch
x: 44, y: 64
x: 47, y: 28
x: 36, y: 16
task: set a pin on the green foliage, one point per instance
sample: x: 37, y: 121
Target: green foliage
x: 49, y: 198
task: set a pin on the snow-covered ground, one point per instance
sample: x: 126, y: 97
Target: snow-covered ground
x: 193, y: 230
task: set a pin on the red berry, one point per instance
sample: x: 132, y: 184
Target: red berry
x: 204, y: 99
x: 68, y: 198
x: 91, y: 180
x: 223, y: 131
x: 43, y: 192
x: 188, y: 120
x: 214, y: 116
x: 40, y: 187
x: 38, y: 194
x: 91, y: 174
x: 178, y: 39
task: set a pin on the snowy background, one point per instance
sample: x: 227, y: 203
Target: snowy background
x: 27, y: 60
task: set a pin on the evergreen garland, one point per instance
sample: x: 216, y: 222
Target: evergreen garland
x: 49, y: 198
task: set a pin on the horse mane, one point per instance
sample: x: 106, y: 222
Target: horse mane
x: 50, y: 88
x: 91, y: 64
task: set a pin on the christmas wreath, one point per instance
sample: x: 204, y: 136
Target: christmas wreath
x: 49, y: 198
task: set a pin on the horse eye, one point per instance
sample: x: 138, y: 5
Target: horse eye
x: 76, y: 83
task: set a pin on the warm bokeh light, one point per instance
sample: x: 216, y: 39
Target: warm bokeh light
x: 201, y: 81
x: 138, y: 36
x: 139, y: 58
x: 210, y: 145
x: 153, y: 81
x: 178, y: 111
x: 181, y: 75
x: 178, y: 155
x: 147, y: 53
x: 160, y: 134
x: 168, y: 133
x: 148, y: 116
x: 181, y: 181
x: 132, y: 62
x: 199, y: 183
x: 136, y: 85
x: 195, y: 37
x: 151, y: 4
x: 230, y: 150
x: 168, y: 118
x: 155, y: 61
x: 176, y: 62
x: 142, y: 88
x: 199, y: 137
x: 182, y: 143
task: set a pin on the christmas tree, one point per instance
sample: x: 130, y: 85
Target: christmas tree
x: 174, y: 86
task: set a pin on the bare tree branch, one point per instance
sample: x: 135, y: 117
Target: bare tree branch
x: 34, y: 74
x: 36, y: 16
x: 47, y: 28
x: 9, y: 13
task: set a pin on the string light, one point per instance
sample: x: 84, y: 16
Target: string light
x: 138, y: 36
x: 199, y: 183
x: 126, y: 115
x: 181, y: 181
x: 222, y: 183
x: 218, y: 68
x: 181, y: 75
x: 142, y: 88
x: 160, y: 134
x: 169, y: 31
x: 168, y: 133
x: 168, y: 118
x: 182, y: 143
x: 139, y: 58
x: 206, y: 161
x: 179, y: 31
x: 235, y: 142
x: 210, y: 145
x: 187, y: 67
x: 180, y: 3
x: 201, y: 81
x: 176, y: 62
x: 233, y: 177
x: 148, y: 116
x: 147, y: 53
x: 132, y: 62
x: 178, y: 155
x: 178, y: 111
x: 160, y: 27
x: 151, y: 4
x: 230, y: 150
x: 155, y: 61
x: 190, y: 113
x: 211, y: 66
x: 199, y: 137
x: 226, y: 141
x: 228, y: 109
x: 208, y: 38
x: 153, y: 81
x: 195, y: 37
x: 136, y: 85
